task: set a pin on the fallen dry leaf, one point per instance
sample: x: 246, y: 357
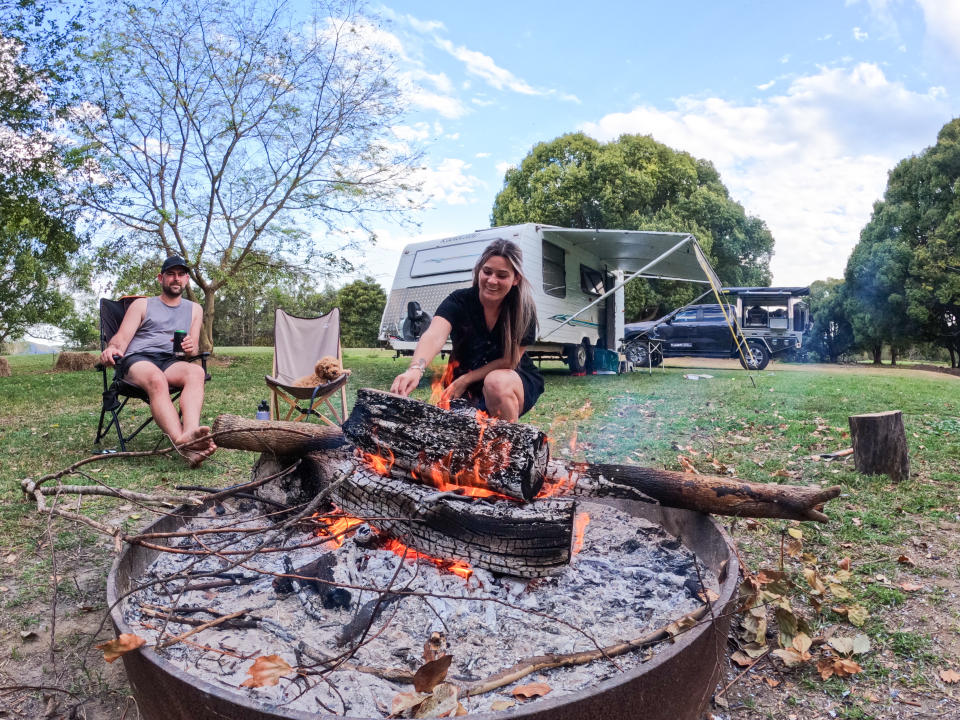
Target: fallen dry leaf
x: 708, y: 595
x: 791, y: 656
x: 841, y: 667
x: 771, y: 682
x: 950, y: 676
x: 857, y: 614
x: 120, y: 646
x: 741, y: 659
x: 679, y: 626
x: 687, y: 465
x: 442, y: 703
x: 906, y: 560
x: 531, y: 690
x: 266, y: 671
x: 431, y: 674
x: 502, y: 704
x: 844, y: 564
x: 910, y: 587
x: 405, y: 701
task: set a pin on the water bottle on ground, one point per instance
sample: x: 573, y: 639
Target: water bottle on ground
x: 263, y: 411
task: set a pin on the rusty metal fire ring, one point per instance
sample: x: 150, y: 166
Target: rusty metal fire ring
x: 676, y: 684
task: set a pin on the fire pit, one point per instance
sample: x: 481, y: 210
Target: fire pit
x: 646, y: 689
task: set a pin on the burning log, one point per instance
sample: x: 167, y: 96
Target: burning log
x: 703, y: 493
x: 440, y: 447
x: 503, y: 536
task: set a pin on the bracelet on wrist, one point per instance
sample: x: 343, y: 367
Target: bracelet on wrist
x: 415, y: 366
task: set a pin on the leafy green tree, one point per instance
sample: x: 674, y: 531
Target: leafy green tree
x: 831, y: 335
x: 875, y: 301
x: 906, y: 267
x: 361, y: 306
x: 233, y: 128
x: 636, y: 183
x: 82, y: 328
x: 40, y: 174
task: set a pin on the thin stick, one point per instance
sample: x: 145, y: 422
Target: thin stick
x: 545, y: 662
x: 199, y: 628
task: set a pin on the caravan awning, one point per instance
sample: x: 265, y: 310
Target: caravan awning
x: 639, y: 253
x: 660, y: 255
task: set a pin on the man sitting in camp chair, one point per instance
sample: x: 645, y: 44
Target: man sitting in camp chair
x: 144, y: 353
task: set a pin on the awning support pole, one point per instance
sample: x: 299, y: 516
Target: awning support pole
x: 616, y: 287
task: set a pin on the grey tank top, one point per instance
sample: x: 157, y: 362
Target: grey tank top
x: 155, y: 333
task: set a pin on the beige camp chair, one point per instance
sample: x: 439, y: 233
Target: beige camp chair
x: 297, y: 345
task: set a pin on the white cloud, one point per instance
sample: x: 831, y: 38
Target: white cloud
x: 485, y: 67
x: 810, y: 161
x: 859, y: 35
x: 448, y: 183
x: 483, y: 155
x: 766, y: 85
x: 502, y: 167
x: 943, y: 24
x: 447, y: 105
x: 419, y: 132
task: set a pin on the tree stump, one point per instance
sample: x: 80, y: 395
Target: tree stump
x: 4, y: 367
x: 880, y: 444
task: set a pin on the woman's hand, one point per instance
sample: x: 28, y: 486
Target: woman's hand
x: 455, y: 389
x: 406, y: 382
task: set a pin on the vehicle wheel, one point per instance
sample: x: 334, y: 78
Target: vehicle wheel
x: 761, y: 357
x: 576, y: 359
x: 637, y: 354
x: 656, y: 358
x: 588, y: 366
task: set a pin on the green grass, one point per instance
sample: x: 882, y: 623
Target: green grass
x: 763, y: 433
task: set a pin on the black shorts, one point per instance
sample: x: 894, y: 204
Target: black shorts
x: 160, y: 359
x: 532, y: 390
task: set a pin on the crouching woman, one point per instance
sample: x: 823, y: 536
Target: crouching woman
x: 490, y: 325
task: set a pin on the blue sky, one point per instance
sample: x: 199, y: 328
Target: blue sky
x: 802, y: 107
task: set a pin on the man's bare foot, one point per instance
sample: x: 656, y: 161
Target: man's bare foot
x: 196, y: 446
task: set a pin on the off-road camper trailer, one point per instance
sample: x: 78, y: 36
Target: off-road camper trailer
x: 577, y: 278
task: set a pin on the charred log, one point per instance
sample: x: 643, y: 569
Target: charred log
x: 503, y: 536
x: 453, y: 447
x: 704, y: 493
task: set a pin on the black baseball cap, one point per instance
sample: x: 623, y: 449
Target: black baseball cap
x: 172, y: 262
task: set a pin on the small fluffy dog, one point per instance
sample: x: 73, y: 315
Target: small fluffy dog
x: 327, y: 369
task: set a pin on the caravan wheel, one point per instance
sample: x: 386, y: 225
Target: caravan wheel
x: 576, y: 358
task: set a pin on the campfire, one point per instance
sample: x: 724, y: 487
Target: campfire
x: 440, y: 544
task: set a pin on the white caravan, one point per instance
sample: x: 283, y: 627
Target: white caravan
x: 577, y: 278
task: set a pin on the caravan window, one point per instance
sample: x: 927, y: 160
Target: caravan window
x: 447, y: 258
x: 591, y: 281
x: 554, y: 273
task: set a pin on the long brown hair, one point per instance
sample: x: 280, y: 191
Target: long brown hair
x: 517, y: 311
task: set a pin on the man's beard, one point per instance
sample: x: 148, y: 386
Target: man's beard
x: 166, y: 290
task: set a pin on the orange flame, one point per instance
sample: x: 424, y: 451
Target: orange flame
x: 378, y: 463
x: 439, y: 384
x: 580, y: 522
x: 457, y: 567
x: 336, y: 527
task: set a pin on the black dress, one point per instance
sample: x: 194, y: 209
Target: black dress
x: 475, y: 346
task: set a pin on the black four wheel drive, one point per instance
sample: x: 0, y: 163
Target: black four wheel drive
x: 759, y: 322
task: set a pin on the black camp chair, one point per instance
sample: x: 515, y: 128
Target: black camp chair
x: 118, y: 392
